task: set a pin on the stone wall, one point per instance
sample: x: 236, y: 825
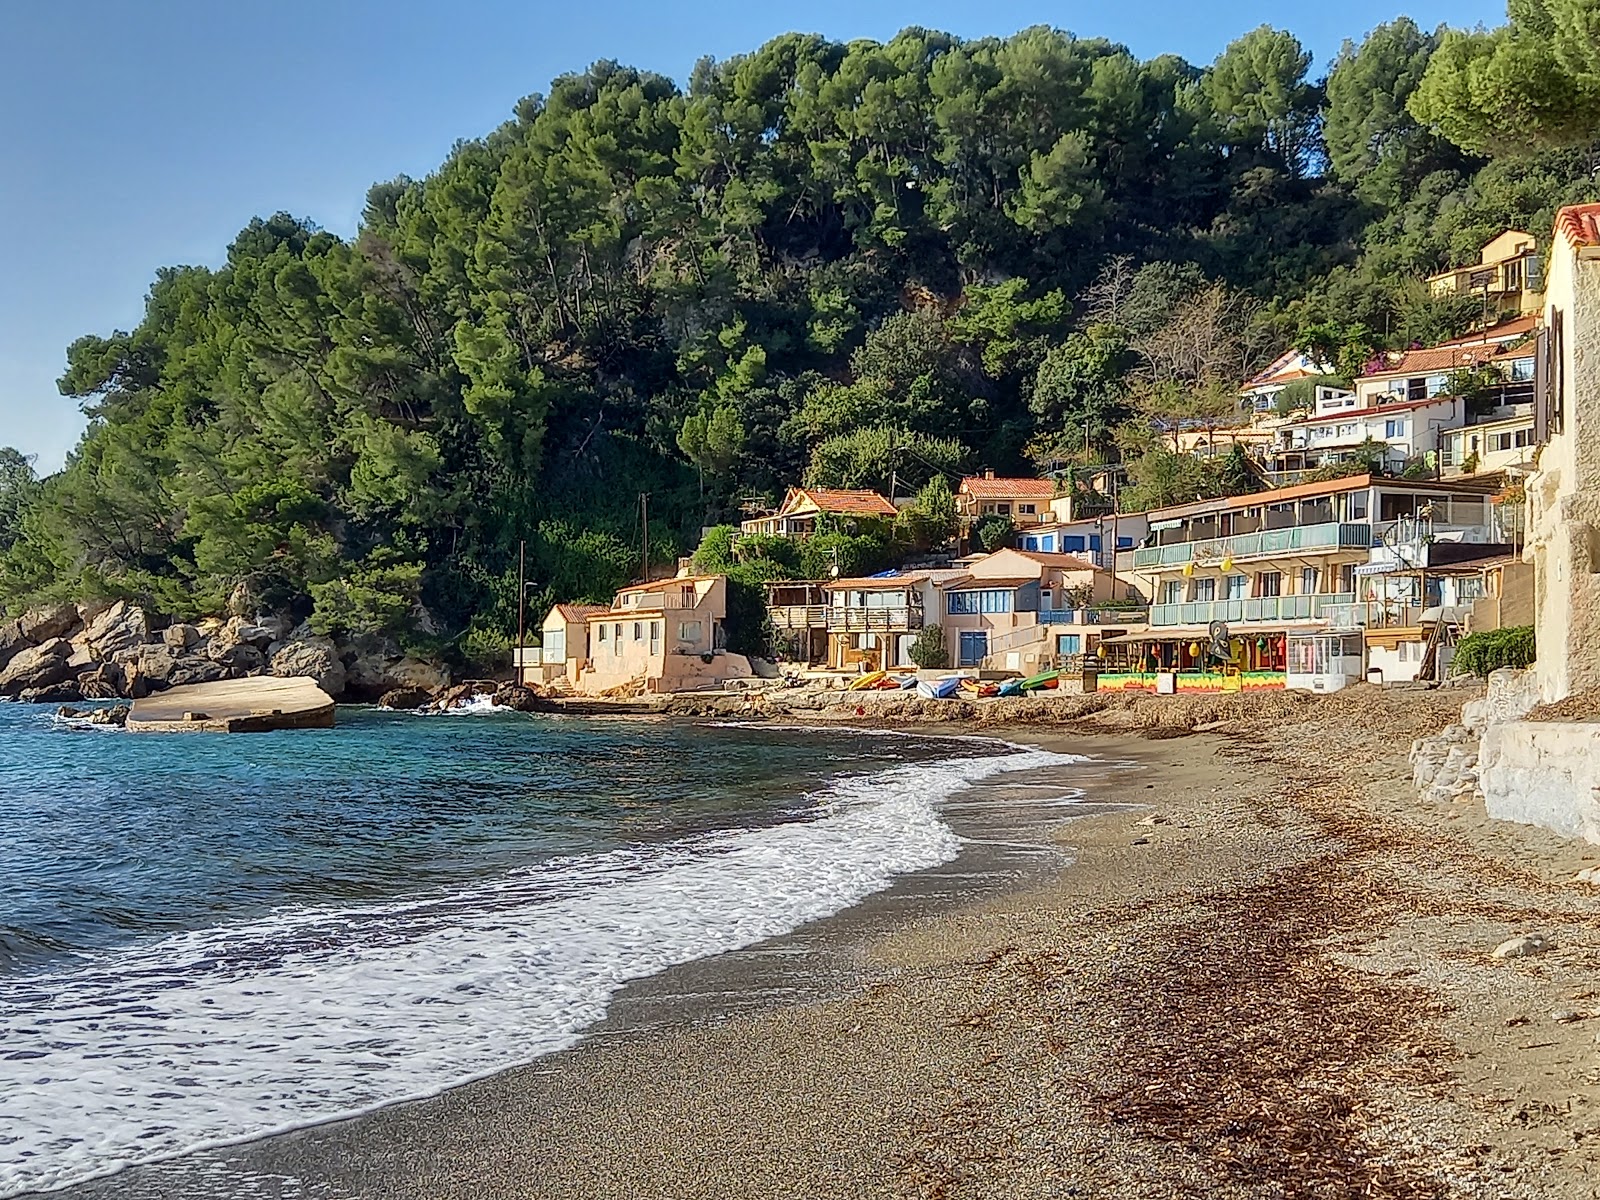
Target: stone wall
x: 1543, y: 773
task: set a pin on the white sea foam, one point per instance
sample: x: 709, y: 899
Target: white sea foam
x: 230, y: 1033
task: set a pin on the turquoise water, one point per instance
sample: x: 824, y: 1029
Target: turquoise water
x: 208, y: 938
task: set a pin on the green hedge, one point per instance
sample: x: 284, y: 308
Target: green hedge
x: 1480, y: 653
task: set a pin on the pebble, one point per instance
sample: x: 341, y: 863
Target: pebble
x: 1152, y: 820
x: 1565, y: 1016
x: 1522, y: 946
x: 1141, y: 841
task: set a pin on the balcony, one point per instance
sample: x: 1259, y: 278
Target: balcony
x: 1262, y: 608
x: 1094, y: 616
x: 1333, y: 535
x: 798, y: 616
x: 843, y: 619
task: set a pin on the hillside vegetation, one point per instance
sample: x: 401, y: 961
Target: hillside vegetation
x: 853, y: 264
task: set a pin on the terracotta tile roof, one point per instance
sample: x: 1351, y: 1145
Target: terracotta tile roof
x: 1449, y: 357
x: 581, y: 612
x: 873, y: 583
x: 659, y: 584
x: 1505, y: 331
x: 1580, y: 224
x: 983, y: 487
x: 1062, y: 562
x: 850, y: 501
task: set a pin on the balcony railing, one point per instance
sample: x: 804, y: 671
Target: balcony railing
x: 1094, y: 616
x: 1261, y: 608
x: 1332, y: 535
x: 799, y: 616
x: 873, y: 620
x: 658, y: 602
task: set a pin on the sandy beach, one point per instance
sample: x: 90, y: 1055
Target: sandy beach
x: 1254, y: 964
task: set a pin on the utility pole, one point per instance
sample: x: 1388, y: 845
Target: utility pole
x: 644, y: 519
x: 522, y: 604
x: 1116, y: 511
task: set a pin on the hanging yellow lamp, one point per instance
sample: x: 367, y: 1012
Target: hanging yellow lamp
x: 1194, y: 648
x: 1227, y: 562
x: 1188, y: 570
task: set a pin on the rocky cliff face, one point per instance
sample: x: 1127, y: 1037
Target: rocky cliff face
x: 107, y: 651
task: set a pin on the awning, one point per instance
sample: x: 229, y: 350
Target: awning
x: 1380, y: 568
x: 1200, y: 633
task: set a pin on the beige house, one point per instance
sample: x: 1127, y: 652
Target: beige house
x: 872, y: 621
x: 665, y: 636
x: 1025, y: 501
x: 1004, y: 610
x: 1507, y: 276
x: 1564, y: 492
x: 802, y: 508
x: 565, y: 640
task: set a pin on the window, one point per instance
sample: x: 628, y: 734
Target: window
x: 616, y: 639
x: 602, y: 633
x: 1358, y: 506
x: 1172, y: 592
x: 1068, y: 643
x: 1347, y: 577
x: 990, y: 601
x: 689, y: 631
x: 1269, y: 583
x: 1236, y: 587
x: 1003, y: 509
x: 655, y: 636
x: 1417, y: 389
x: 687, y: 596
x: 1205, y: 590
x: 1395, y: 427
x: 1308, y: 581
x: 638, y: 631
x: 1027, y: 509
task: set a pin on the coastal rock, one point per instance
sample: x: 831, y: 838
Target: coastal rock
x: 180, y: 636
x: 1522, y: 946
x: 463, y: 693
x: 307, y: 656
x: 115, y: 715
x: 193, y: 669
x: 153, y: 663
x: 56, y: 693
x: 240, y: 660
x: 405, y: 698
x: 12, y: 641
x: 40, y: 666
x: 119, y: 627
x: 41, y: 625
x: 104, y: 681
x: 374, y: 666
x: 516, y: 697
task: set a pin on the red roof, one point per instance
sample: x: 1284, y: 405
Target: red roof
x: 1580, y: 224
x: 1504, y: 332
x: 1003, y: 489
x: 1449, y: 357
x: 977, y: 583
x: 853, y: 501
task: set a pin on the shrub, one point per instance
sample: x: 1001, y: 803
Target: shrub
x: 993, y: 532
x: 1480, y: 653
x: 485, y: 649
x: 928, y: 651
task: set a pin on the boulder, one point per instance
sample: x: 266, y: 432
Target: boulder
x: 192, y: 669
x: 152, y: 663
x: 41, y: 666
x: 41, y: 625
x: 515, y: 696
x: 88, y: 610
x: 12, y: 641
x: 56, y: 693
x: 405, y: 698
x: 235, y: 632
x: 239, y: 660
x: 104, y: 681
x: 120, y: 627
x: 308, y: 656
x: 117, y: 714
x: 180, y: 637
x: 463, y: 693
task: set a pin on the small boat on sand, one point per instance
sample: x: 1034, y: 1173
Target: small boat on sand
x: 939, y: 689
x: 862, y: 682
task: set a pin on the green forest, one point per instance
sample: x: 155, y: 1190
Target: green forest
x: 863, y: 264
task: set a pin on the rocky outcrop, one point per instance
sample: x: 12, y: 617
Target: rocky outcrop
x: 40, y: 666
x: 180, y: 637
x: 105, y: 681
x: 405, y: 698
x: 463, y: 693
x: 375, y: 666
x: 12, y: 642
x: 120, y: 627
x: 41, y: 625
x: 520, y: 699
x: 306, y: 655
x: 57, y: 693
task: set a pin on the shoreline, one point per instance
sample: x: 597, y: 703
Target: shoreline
x: 1274, y: 980
x: 821, y: 960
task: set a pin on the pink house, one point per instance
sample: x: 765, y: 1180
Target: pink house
x: 665, y: 636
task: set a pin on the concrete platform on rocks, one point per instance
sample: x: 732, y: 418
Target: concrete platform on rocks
x: 256, y: 705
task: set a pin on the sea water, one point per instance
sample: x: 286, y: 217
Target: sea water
x: 205, y: 939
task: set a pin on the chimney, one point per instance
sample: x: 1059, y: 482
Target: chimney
x: 988, y: 473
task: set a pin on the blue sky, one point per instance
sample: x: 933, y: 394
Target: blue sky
x: 137, y: 135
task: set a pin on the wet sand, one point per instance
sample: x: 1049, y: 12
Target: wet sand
x: 1256, y: 966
